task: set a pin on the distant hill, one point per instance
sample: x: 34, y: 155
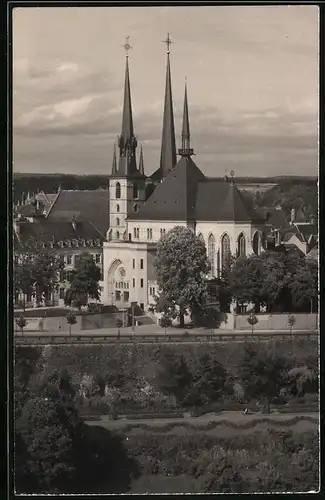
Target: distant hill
x: 50, y: 183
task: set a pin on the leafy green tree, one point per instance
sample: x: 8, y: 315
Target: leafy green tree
x: 208, y: 380
x: 262, y: 374
x: 22, y: 278
x: 304, y: 285
x: 181, y: 266
x: 252, y: 320
x: 71, y: 320
x: 119, y: 324
x: 246, y: 277
x: 21, y: 322
x: 45, y: 275
x: 84, y: 282
x: 291, y: 322
x: 173, y: 376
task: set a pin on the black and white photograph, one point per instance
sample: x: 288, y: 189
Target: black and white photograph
x: 165, y: 249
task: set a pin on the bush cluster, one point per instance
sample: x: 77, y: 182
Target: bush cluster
x: 271, y: 461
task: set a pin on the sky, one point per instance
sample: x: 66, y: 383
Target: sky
x: 252, y: 76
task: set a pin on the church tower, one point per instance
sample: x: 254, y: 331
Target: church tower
x: 168, y: 143
x: 126, y: 182
x: 186, y: 150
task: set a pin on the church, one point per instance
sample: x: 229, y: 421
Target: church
x: 144, y: 208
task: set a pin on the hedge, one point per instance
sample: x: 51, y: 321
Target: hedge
x: 221, y: 423
x: 148, y: 416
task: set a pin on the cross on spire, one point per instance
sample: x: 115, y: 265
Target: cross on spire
x: 127, y: 46
x: 168, y: 42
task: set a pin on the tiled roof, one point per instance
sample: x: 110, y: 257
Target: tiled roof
x: 90, y: 206
x: 307, y: 230
x: 186, y: 194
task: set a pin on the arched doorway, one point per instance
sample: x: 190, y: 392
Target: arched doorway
x: 110, y: 280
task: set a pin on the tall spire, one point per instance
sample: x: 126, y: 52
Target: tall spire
x: 114, y: 168
x: 168, y: 145
x: 141, y: 166
x: 127, y: 142
x: 186, y: 138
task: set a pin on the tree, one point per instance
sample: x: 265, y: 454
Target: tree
x: 45, y: 274
x: 262, y: 374
x: 208, y: 380
x: 291, y: 322
x: 304, y: 285
x: 173, y: 375
x: 21, y: 322
x: 22, y: 278
x: 252, y: 320
x: 84, y: 283
x: 245, y: 280
x: 181, y: 266
x: 71, y: 320
x: 165, y: 321
x: 119, y: 324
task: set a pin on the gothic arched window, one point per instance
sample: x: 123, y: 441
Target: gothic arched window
x: 117, y: 208
x: 200, y: 235
x: 117, y: 221
x: 225, y: 251
x: 241, y: 246
x: 118, y: 190
x: 135, y: 190
x: 211, y: 253
x: 256, y: 243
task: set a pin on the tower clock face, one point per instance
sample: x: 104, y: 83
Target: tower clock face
x: 122, y: 272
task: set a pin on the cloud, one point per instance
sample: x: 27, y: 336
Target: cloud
x: 252, y: 75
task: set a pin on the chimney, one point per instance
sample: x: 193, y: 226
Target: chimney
x: 292, y: 216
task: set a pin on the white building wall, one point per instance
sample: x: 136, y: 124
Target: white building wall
x: 155, y: 226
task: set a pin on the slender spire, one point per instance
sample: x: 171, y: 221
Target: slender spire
x: 186, y: 138
x: 141, y: 166
x: 168, y: 145
x: 127, y: 120
x: 114, y: 167
x: 127, y: 142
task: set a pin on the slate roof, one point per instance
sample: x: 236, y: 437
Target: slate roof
x: 276, y: 218
x: 187, y: 195
x: 47, y: 231
x: 92, y: 206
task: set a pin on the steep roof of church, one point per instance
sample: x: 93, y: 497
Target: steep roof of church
x: 187, y: 195
x: 174, y: 199
x: 222, y: 201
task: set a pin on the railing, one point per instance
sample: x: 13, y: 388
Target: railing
x: 80, y: 338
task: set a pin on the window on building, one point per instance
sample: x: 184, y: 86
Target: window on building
x: 241, y: 246
x: 256, y: 243
x: 141, y: 283
x: 118, y: 190
x: 76, y: 259
x: 138, y: 232
x: 117, y: 235
x: 133, y: 282
x: 200, y: 235
x: 98, y: 258
x: 135, y: 191
x: 211, y: 253
x: 117, y: 221
x: 62, y: 293
x: 133, y: 263
x: 150, y: 290
x: 149, y: 233
x: 134, y: 232
x: 117, y: 295
x: 69, y: 260
x: 126, y: 296
x: 61, y: 275
x: 117, y: 208
x: 141, y: 263
x: 153, y: 291
x: 225, y: 252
